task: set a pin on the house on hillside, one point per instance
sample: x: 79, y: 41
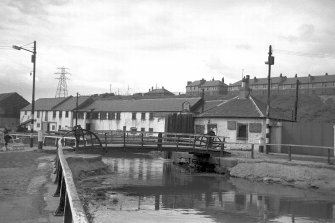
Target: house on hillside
x: 242, y: 119
x: 320, y: 85
x: 158, y: 92
x: 10, y: 105
x: 54, y: 114
x: 210, y: 88
x: 133, y: 115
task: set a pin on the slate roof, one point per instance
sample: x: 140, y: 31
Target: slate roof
x: 212, y: 83
x: 45, y: 104
x: 160, y: 91
x: 71, y: 103
x: 141, y: 105
x: 194, y: 83
x: 5, y: 95
x: 243, y: 108
x: 290, y: 80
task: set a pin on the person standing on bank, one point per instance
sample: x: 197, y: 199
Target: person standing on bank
x: 210, y: 139
x: 6, y: 137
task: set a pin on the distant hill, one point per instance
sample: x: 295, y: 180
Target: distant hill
x: 310, y: 107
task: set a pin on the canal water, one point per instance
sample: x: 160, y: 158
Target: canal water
x: 146, y: 189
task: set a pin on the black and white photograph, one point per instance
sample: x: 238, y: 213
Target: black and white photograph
x: 167, y: 111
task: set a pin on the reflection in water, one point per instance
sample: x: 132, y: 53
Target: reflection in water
x: 154, y: 190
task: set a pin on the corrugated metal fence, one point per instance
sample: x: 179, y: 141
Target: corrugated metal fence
x: 309, y: 133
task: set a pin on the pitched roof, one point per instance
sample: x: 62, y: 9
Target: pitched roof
x: 195, y: 83
x: 213, y: 83
x: 162, y: 91
x: 141, y: 105
x: 290, y: 80
x: 71, y: 103
x: 45, y: 104
x: 243, y: 108
x: 6, y: 95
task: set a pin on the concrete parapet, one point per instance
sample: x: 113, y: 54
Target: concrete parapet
x: 82, y: 164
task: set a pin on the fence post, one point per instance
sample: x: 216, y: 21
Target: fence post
x: 289, y: 153
x: 159, y: 141
x: 124, y: 140
x: 252, y: 151
x: 106, y: 141
x: 67, y: 210
x: 194, y: 140
x: 222, y: 147
x: 60, y: 209
x: 177, y: 141
x: 329, y: 156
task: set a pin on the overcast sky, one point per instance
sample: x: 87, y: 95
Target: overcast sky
x: 144, y: 43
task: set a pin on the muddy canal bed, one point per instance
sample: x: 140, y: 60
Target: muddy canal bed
x: 145, y: 189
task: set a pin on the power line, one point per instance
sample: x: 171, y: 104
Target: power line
x: 304, y: 54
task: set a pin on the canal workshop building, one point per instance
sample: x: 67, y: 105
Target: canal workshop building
x: 54, y: 114
x: 242, y: 119
x: 148, y: 115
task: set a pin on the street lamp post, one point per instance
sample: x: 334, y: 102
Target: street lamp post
x: 33, y: 60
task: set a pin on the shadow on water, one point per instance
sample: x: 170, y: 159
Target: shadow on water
x: 151, y: 190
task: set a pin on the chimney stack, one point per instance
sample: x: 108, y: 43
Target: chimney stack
x: 223, y: 80
x: 245, y: 90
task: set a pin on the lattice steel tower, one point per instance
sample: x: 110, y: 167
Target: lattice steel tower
x: 62, y: 86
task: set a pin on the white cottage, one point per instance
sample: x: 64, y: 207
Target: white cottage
x: 242, y: 119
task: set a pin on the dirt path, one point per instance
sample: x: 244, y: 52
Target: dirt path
x: 23, y: 176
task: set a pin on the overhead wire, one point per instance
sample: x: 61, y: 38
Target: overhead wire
x: 304, y: 54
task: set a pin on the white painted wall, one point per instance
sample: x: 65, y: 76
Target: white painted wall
x: 222, y: 129
x: 157, y: 123
x: 64, y: 122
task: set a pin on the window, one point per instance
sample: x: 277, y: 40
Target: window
x: 95, y: 115
x: 38, y: 114
x: 142, y: 129
x: 53, y: 128
x: 25, y: 112
x: 124, y: 128
x: 199, y: 129
x: 133, y: 115
x: 151, y: 130
x: 54, y: 114
x: 151, y: 115
x: 143, y: 115
x: 66, y: 114
x: 118, y: 115
x: 60, y: 114
x: 59, y: 127
x: 38, y: 125
x: 242, y: 132
x: 46, y: 116
x: 111, y: 115
x: 103, y: 115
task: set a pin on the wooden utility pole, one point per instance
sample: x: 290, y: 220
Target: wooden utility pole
x: 296, y: 100
x: 270, y: 62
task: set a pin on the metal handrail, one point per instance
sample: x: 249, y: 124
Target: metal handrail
x: 70, y: 205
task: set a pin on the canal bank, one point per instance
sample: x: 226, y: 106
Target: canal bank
x: 145, y: 187
x: 270, y: 169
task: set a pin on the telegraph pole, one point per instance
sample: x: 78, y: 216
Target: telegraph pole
x: 270, y: 62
